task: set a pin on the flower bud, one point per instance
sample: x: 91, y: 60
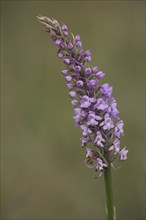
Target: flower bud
x: 65, y: 72
x: 77, y: 69
x: 77, y: 37
x: 68, y: 78
x: 88, y: 71
x: 72, y: 94
x: 67, y: 62
x: 100, y: 75
x: 70, y: 46
x: 95, y: 69
x: 79, y: 83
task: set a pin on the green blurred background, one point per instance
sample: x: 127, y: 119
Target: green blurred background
x: 43, y: 172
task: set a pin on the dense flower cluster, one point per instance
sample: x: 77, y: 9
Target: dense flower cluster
x: 95, y: 108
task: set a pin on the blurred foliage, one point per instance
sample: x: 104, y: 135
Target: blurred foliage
x: 43, y: 172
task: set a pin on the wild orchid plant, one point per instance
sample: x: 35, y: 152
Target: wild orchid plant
x: 95, y: 108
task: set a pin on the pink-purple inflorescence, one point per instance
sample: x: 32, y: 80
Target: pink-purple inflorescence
x: 95, y: 108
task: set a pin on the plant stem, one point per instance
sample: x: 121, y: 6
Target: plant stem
x: 110, y: 209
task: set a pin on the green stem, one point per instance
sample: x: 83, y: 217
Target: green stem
x: 110, y: 209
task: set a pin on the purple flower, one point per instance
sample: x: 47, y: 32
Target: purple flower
x: 86, y: 130
x: 123, y: 154
x: 77, y: 38
x: 93, y: 119
x: 88, y: 58
x: 64, y: 27
x: 68, y: 78
x: 93, y: 100
x: 115, y: 146
x: 119, y: 129
x: 64, y: 30
x: 70, y: 86
x: 88, y: 71
x: 87, y: 53
x: 106, y: 90
x: 80, y: 83
x: 85, y: 141
x: 100, y: 165
x: 82, y: 53
x: 60, y: 55
x: 100, y: 75
x: 58, y: 42
x: 95, y: 109
x: 92, y: 83
x: 70, y: 46
x: 79, y: 44
x: 79, y: 115
x: 72, y: 94
x: 67, y: 62
x: 99, y: 140
x: 75, y: 103
x: 95, y: 69
x: 89, y: 153
x: 113, y: 110
x: 77, y: 69
x: 101, y: 104
x: 107, y: 124
x: 65, y: 33
x: 65, y: 72
x: 85, y: 102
